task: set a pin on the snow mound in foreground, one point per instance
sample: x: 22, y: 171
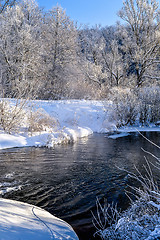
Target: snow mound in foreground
x: 23, y: 221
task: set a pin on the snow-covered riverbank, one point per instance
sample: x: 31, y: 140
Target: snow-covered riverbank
x: 23, y: 221
x: 74, y: 119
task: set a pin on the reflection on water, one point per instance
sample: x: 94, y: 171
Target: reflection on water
x: 67, y: 179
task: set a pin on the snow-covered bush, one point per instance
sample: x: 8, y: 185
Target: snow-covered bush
x: 149, y: 100
x: 141, y: 221
x: 107, y: 217
x: 135, y: 106
x: 84, y: 89
x: 11, y: 115
x: 125, y: 106
x: 39, y: 121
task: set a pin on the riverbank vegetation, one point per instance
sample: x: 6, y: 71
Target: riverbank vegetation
x: 142, y: 219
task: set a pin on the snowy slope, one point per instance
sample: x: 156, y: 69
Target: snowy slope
x: 82, y: 113
x: 75, y: 119
x: 21, y: 221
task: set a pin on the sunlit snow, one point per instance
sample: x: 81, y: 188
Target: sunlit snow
x: 21, y: 221
x: 75, y: 119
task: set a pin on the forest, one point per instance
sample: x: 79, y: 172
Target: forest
x: 45, y: 55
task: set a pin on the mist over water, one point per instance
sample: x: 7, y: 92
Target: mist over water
x: 67, y: 179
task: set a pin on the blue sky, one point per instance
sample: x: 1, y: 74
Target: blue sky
x: 89, y: 12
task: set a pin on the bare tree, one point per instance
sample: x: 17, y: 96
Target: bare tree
x: 92, y: 44
x: 20, y: 49
x: 140, y: 37
x: 60, y: 50
x: 113, y: 63
x: 5, y: 3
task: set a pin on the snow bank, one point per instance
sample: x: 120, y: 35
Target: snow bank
x: 150, y: 128
x: 115, y: 136
x: 75, y: 119
x: 23, y: 221
x: 78, y: 113
x: 44, y: 139
x: 9, y: 141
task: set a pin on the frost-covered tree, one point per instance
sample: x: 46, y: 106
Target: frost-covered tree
x: 112, y: 61
x: 92, y: 43
x: 60, y: 50
x: 140, y: 38
x: 20, y: 49
x: 102, y: 51
x: 6, y: 3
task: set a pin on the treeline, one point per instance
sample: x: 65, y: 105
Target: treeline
x: 44, y: 55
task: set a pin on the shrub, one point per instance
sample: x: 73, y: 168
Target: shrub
x: 125, y: 107
x: 11, y: 115
x: 142, y: 219
x: 39, y: 120
x: 149, y: 99
x: 132, y: 106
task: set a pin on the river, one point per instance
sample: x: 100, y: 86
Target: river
x: 67, y: 179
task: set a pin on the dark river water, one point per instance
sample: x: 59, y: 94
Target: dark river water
x: 66, y: 180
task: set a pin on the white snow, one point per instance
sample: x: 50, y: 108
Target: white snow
x: 9, y: 141
x: 115, y: 136
x: 150, y: 128
x: 75, y: 119
x: 7, y: 187
x: 21, y: 221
